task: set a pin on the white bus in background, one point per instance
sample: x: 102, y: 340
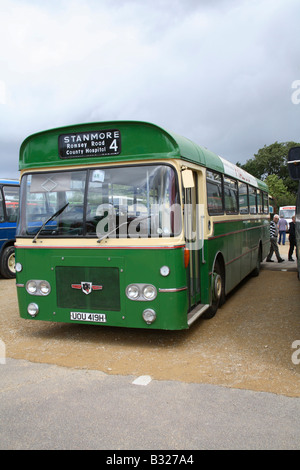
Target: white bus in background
x: 287, y: 212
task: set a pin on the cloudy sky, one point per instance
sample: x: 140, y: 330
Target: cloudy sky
x: 224, y: 73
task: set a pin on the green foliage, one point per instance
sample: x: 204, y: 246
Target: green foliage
x: 279, y: 191
x: 270, y: 164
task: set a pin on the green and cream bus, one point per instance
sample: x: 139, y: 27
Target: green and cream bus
x: 127, y: 224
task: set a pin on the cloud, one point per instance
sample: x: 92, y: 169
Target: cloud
x: 219, y: 73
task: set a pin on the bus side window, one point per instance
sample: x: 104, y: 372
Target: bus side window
x: 252, y: 200
x: 230, y: 193
x: 266, y: 203
x: 259, y: 202
x: 214, y: 193
x: 11, y: 198
x: 243, y: 198
x: 1, y: 207
x: 11, y: 214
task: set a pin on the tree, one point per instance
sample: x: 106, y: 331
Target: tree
x: 272, y: 160
x: 279, y: 192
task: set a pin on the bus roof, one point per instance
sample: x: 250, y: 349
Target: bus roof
x: 136, y: 140
x: 9, y: 181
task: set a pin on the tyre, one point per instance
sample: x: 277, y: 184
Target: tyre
x: 256, y: 270
x: 218, y: 291
x: 7, y: 265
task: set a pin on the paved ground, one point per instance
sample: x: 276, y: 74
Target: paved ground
x: 247, y: 345
x: 286, y: 265
x: 49, y: 407
x: 227, y: 383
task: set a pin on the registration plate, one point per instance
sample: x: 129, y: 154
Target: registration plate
x: 93, y: 317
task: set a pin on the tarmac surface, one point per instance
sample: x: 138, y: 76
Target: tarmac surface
x: 47, y: 407
x: 228, y: 383
x: 286, y: 265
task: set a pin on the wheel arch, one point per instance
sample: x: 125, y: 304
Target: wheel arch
x: 219, y: 258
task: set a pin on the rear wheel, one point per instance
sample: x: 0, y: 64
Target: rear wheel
x: 7, y: 265
x: 218, y: 291
x: 256, y: 270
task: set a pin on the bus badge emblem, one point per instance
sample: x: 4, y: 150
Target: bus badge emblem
x: 86, y: 287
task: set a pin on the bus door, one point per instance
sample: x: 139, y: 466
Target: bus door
x: 192, y: 236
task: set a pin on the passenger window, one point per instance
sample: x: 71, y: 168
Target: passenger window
x: 266, y: 203
x: 252, y: 200
x: 230, y: 193
x: 243, y: 198
x: 214, y: 193
x: 1, y: 207
x: 259, y: 202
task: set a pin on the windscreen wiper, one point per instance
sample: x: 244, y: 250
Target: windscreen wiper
x: 49, y: 220
x: 112, y: 231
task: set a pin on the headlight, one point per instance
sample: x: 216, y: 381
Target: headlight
x: 31, y: 287
x: 149, y: 292
x: 35, y: 287
x: 33, y: 309
x: 149, y: 316
x: 141, y: 292
x: 132, y: 292
x: 44, y: 287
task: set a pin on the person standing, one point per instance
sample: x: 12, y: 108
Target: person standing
x: 282, y: 227
x: 292, y: 238
x: 273, y: 241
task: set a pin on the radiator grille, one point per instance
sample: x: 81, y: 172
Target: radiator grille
x: 103, y: 285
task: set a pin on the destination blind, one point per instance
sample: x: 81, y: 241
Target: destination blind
x: 89, y: 144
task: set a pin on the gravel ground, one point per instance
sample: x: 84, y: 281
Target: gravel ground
x: 247, y: 345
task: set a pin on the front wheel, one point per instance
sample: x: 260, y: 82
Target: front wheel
x: 7, y: 265
x: 218, y: 291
